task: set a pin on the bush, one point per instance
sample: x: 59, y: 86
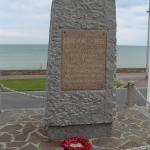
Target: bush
x: 120, y: 84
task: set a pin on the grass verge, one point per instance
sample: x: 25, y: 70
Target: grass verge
x: 120, y: 84
x: 35, y: 84
x: 24, y: 85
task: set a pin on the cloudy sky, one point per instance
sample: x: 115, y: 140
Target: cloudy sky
x: 27, y: 21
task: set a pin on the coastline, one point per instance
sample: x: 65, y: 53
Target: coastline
x: 43, y: 72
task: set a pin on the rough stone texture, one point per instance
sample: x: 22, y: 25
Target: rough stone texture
x: 123, y: 134
x: 80, y: 107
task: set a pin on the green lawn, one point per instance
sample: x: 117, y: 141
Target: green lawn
x: 34, y: 84
x: 24, y: 85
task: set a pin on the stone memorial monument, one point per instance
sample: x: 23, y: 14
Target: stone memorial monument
x: 81, y: 68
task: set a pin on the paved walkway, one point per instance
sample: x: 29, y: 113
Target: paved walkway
x: 24, y: 130
x: 10, y: 77
x: 10, y: 100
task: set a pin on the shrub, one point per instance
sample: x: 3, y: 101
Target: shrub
x: 120, y: 84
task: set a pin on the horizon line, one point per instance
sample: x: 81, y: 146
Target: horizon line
x: 47, y: 44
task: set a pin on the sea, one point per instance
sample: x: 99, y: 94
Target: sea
x: 33, y: 57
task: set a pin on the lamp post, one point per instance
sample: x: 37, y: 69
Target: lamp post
x: 148, y: 44
x: 148, y: 56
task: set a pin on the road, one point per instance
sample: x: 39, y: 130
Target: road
x: 13, y: 100
x: 138, y: 78
x: 17, y: 101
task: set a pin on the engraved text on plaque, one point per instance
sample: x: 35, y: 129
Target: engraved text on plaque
x: 83, y: 60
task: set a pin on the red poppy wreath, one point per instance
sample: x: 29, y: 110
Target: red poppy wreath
x: 76, y: 143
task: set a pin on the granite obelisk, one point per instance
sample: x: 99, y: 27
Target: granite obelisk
x: 81, y: 68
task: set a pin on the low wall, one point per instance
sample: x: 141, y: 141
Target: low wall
x: 122, y: 97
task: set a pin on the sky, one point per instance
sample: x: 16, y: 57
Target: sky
x: 27, y: 21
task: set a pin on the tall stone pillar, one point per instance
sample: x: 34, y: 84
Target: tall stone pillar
x: 81, y: 68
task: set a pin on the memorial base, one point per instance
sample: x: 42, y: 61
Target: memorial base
x: 86, y: 131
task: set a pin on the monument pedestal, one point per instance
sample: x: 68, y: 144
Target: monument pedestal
x: 81, y: 68
x: 87, y: 131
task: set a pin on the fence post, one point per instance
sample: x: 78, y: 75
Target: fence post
x: 130, y: 94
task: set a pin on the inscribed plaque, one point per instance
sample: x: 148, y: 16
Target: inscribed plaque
x: 84, y: 60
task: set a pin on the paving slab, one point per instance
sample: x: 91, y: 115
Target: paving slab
x: 24, y: 130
